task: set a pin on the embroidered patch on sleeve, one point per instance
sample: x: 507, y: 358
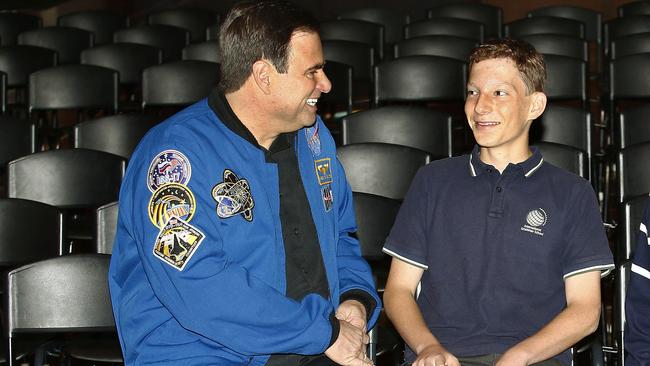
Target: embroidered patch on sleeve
x: 233, y: 197
x: 323, y: 171
x: 171, y: 200
x: 313, y: 139
x: 177, y: 242
x: 170, y: 166
x: 328, y: 197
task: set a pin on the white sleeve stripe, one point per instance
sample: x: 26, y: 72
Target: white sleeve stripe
x: 605, y: 268
x: 640, y: 271
x: 409, y: 261
x: 643, y: 228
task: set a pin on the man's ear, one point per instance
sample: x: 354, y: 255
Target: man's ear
x: 537, y: 105
x: 262, y: 75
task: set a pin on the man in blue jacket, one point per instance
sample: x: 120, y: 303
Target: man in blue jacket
x: 637, y: 302
x: 233, y: 244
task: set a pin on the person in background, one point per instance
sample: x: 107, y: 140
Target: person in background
x: 637, y: 300
x: 233, y: 244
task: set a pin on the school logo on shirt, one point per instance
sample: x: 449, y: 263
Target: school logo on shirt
x: 323, y: 171
x: 233, y: 197
x: 535, y: 221
x: 171, y: 200
x: 176, y: 242
x: 169, y: 166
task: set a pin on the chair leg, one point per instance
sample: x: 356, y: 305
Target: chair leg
x: 373, y: 334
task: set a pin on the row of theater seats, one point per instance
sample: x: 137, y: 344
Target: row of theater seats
x: 426, y: 70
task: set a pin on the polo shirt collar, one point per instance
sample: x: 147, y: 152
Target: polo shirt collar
x: 528, y: 167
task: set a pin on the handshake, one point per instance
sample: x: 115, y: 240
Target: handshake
x: 350, y: 346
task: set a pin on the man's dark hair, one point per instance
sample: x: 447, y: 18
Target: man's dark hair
x: 529, y: 62
x: 256, y: 30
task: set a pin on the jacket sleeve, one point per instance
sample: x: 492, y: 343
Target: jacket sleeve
x: 212, y: 296
x: 637, y: 305
x: 354, y: 272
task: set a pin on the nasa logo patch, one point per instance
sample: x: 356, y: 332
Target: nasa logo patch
x: 170, y: 166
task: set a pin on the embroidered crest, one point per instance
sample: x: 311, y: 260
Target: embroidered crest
x: 313, y: 139
x: 176, y: 242
x: 170, y: 166
x: 171, y: 200
x: 328, y: 198
x: 323, y: 171
x: 233, y: 197
x: 535, y: 221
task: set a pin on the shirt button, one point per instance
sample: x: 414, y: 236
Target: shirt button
x: 499, y: 189
x: 295, y: 232
x: 488, y: 170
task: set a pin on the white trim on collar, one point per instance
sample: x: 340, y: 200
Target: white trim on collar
x: 471, y: 166
x: 534, y: 169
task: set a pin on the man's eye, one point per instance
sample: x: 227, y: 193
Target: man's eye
x: 500, y: 93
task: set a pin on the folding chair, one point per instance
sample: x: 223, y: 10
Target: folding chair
x: 101, y: 23
x: 565, y: 157
x: 106, y: 227
x: 420, y: 79
x: 204, y: 51
x: 193, y: 20
x: 437, y: 45
x: 414, y: 126
x: 118, y: 134
x: 168, y: 38
x: 488, y: 15
x: 74, y: 180
x: 381, y: 169
x: 129, y: 59
x: 557, y: 44
x: 393, y: 21
x: 178, y: 83
x: 66, y: 295
x: 592, y: 19
x: 545, y: 25
x: 67, y: 42
x: 462, y: 28
x: 354, y: 31
x: 375, y: 216
x: 634, y: 8
x: 18, y: 62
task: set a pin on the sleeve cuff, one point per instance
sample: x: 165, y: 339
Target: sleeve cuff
x: 363, y: 297
x: 336, y: 327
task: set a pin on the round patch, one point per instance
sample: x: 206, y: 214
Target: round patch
x: 536, y: 218
x: 170, y: 166
x: 171, y: 200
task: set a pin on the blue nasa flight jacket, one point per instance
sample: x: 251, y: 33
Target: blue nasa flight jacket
x: 197, y: 275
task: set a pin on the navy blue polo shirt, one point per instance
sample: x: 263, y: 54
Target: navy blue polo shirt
x: 496, y: 248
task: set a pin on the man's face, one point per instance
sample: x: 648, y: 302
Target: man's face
x: 497, y: 108
x: 297, y: 91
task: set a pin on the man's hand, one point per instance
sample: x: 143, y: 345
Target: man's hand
x: 350, y: 346
x: 353, y: 312
x: 435, y: 355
